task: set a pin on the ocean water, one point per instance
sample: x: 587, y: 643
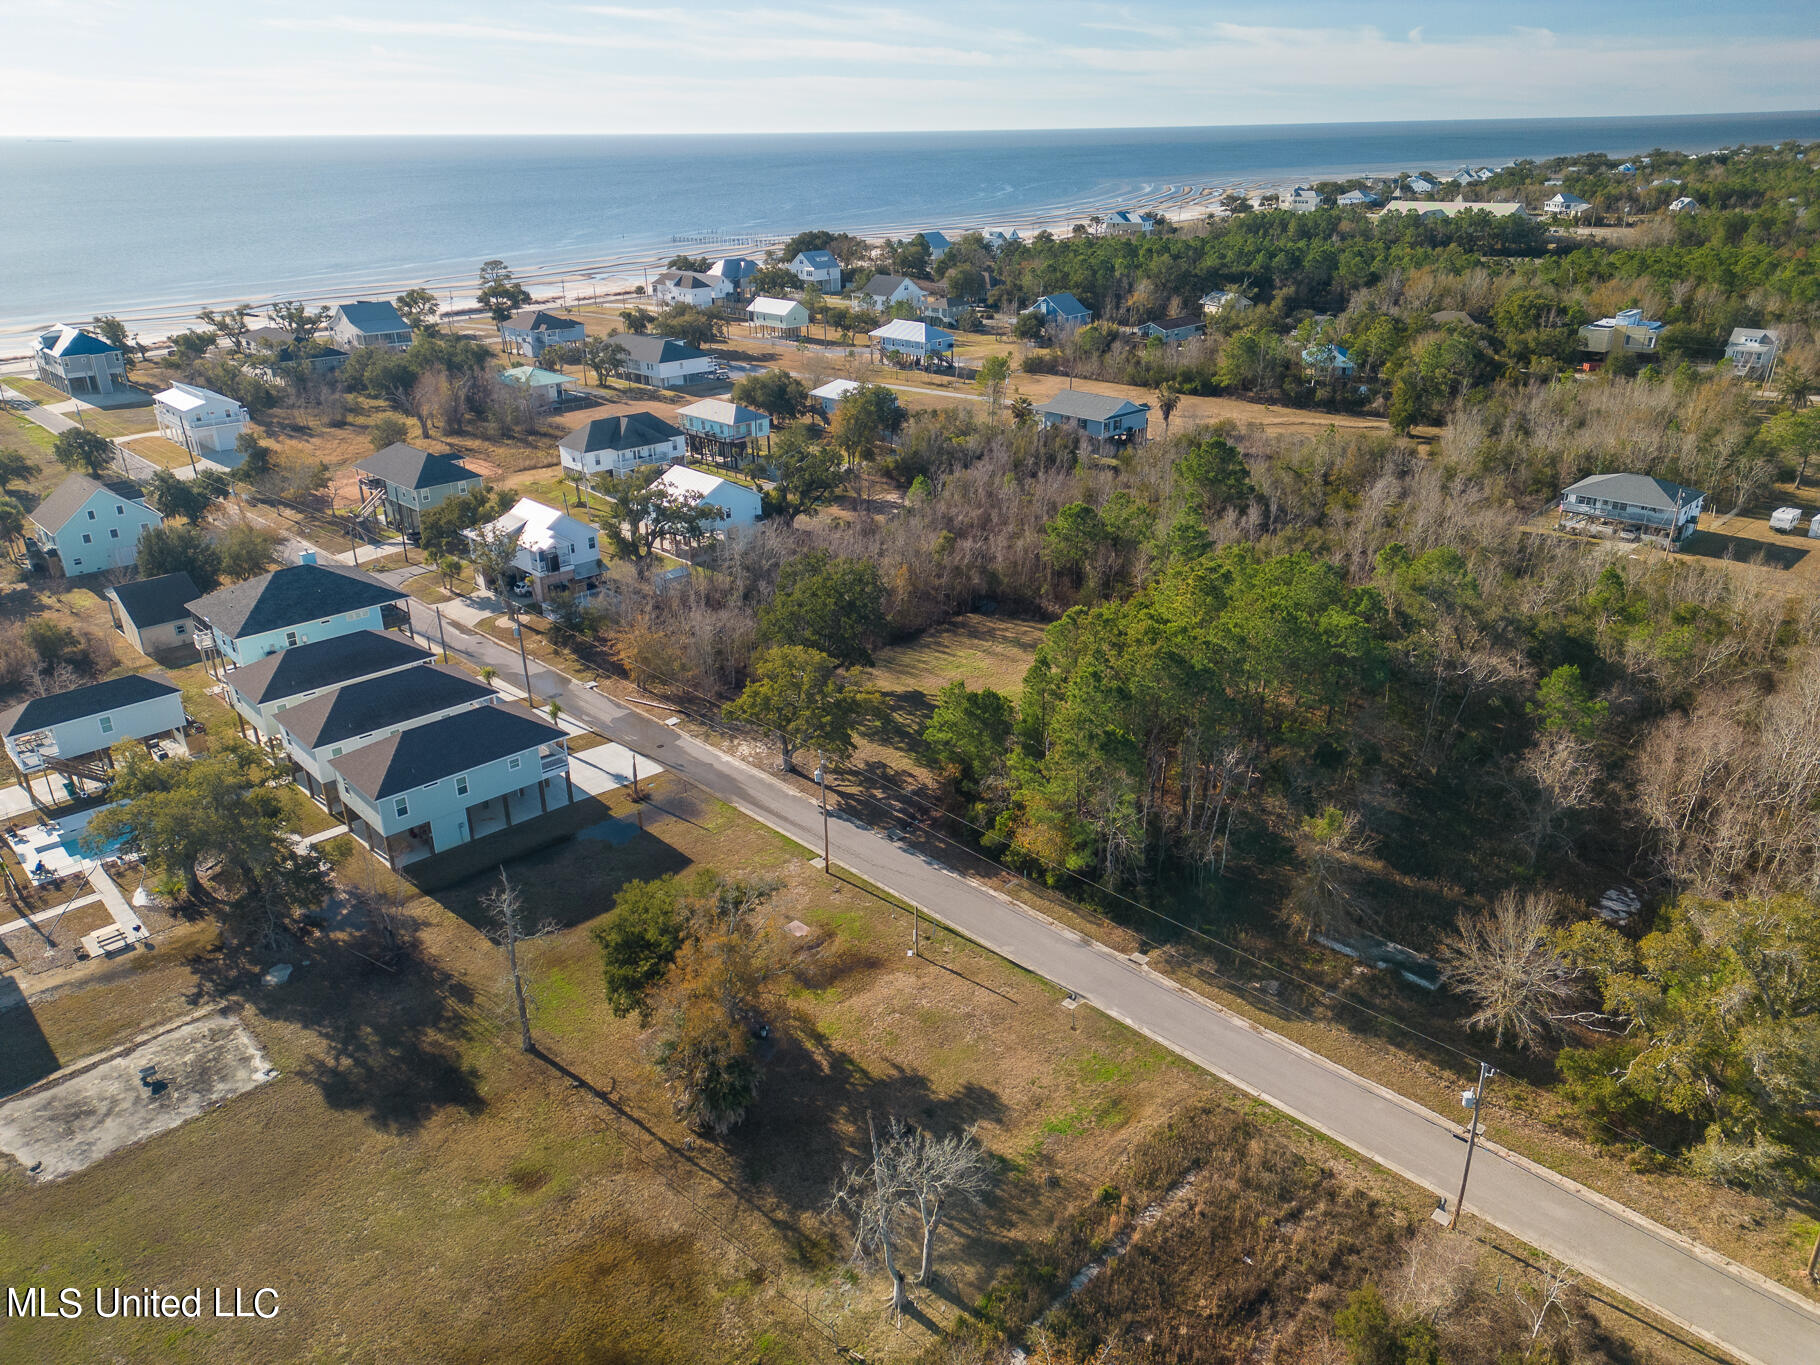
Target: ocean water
x: 150, y: 229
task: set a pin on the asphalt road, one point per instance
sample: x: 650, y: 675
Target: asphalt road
x: 1711, y: 1297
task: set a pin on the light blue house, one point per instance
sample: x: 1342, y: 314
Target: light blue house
x: 434, y: 787
x: 262, y: 691
x: 1099, y: 416
x: 1062, y: 310
x: 70, y: 733
x: 1329, y: 360
x: 289, y: 607
x: 85, y: 527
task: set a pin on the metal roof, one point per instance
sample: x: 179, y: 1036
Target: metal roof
x: 1091, y: 407
x: 1638, y: 490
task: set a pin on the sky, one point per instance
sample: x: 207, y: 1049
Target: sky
x: 121, y: 68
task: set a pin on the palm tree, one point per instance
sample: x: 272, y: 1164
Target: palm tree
x: 1167, y: 400
x: 487, y: 674
x: 1023, y: 411
x: 555, y: 711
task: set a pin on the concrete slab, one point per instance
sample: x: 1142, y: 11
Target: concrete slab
x: 599, y: 770
x: 71, y: 1124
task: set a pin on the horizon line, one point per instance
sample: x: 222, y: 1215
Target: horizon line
x: 911, y: 132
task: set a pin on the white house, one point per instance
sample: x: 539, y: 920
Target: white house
x: 1357, y: 199
x: 1752, y: 351
x: 666, y: 363
x: 532, y: 333
x: 1685, y: 204
x: 262, y: 691
x: 544, y: 389
x: 613, y: 445
x: 1567, y: 205
x: 735, y: 270
x: 721, y: 430
x: 829, y: 395
x: 436, y: 786
x: 198, y: 419
x: 64, y: 732
x: 319, y: 731
x: 742, y: 505
x: 819, y: 268
x: 1302, y: 199
x: 997, y: 241
x: 881, y: 291
x: 555, y: 550
x: 1103, y: 417
x: 1419, y: 184
x: 1217, y: 301
x: 85, y: 526
x: 939, y: 245
x: 368, y: 323
x: 79, y: 362
x: 777, y: 317
x: 686, y: 286
x: 916, y: 339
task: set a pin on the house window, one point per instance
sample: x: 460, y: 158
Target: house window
x: 461, y: 785
x: 514, y: 762
x: 87, y: 538
x: 119, y: 509
x: 401, y: 807
x: 290, y: 639
x: 113, y: 533
x: 107, y: 725
x: 335, y: 752
x: 91, y: 514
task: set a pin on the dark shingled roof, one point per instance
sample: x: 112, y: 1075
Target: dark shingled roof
x: 443, y: 748
x: 405, y: 466
x: 628, y: 431
x: 380, y: 703
x: 537, y: 320
x: 148, y: 602
x: 655, y: 350
x: 367, y: 316
x: 56, y: 510
x: 325, y: 663
x: 284, y: 597
x: 92, y: 700
x: 1179, y: 324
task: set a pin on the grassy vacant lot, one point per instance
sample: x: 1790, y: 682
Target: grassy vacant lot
x: 36, y: 390
x: 417, y: 1188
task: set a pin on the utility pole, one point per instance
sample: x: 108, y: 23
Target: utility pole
x: 523, y: 659
x: 441, y: 637
x: 821, y: 777
x: 635, y: 795
x: 1475, y: 1101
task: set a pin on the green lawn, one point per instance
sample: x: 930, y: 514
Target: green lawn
x: 36, y: 390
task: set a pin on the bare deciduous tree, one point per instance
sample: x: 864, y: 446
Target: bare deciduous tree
x: 912, y: 1173
x: 505, y: 908
x: 1504, y: 960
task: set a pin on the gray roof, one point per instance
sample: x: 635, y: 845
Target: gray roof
x: 78, y: 702
x: 371, y: 704
x: 883, y: 286
x: 540, y: 321
x: 1091, y: 407
x: 325, y: 663
x: 443, y: 748
x: 1639, y: 490
x: 69, y: 497
x: 688, y: 279
x: 284, y: 597
x: 627, y: 431
x: 368, y: 316
x: 405, y: 466
x: 1178, y: 324
x: 818, y: 260
x: 148, y: 602
x: 734, y: 268
x: 656, y: 350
